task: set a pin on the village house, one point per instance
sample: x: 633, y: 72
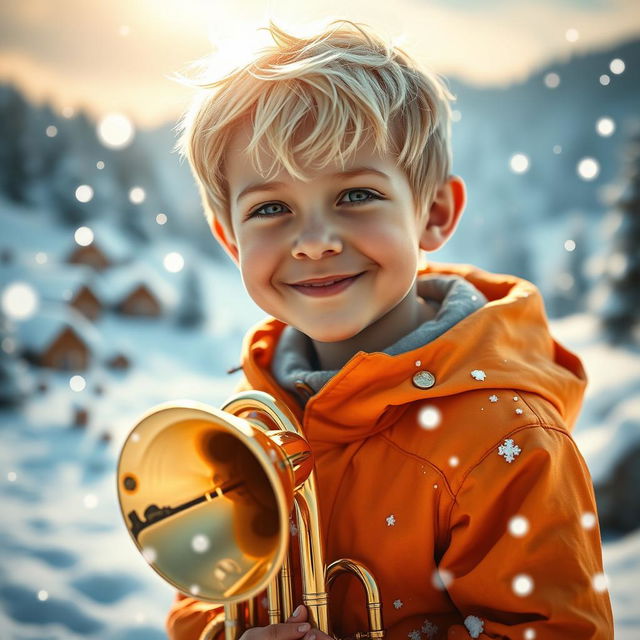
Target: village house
x: 108, y: 248
x: 72, y: 285
x: 136, y: 289
x: 58, y: 337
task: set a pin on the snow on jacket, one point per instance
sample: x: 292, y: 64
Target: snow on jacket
x: 447, y: 466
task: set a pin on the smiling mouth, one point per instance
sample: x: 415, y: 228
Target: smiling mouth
x: 328, y: 288
x: 326, y: 282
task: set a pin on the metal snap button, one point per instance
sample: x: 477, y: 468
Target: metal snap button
x: 424, y: 379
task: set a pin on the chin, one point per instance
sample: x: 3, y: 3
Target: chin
x: 324, y: 335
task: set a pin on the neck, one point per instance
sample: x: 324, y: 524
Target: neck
x: 406, y: 316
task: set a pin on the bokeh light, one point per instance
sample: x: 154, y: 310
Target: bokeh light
x: 429, y: 417
x: 617, y: 66
x: 600, y: 582
x: 522, y: 584
x: 84, y: 193
x: 588, y: 520
x: 552, y: 80
x: 115, y: 131
x: 519, y: 163
x: 588, y: 168
x: 605, y: 126
x: 518, y: 526
x: 77, y: 383
x: 137, y: 195
x: 173, y: 262
x: 19, y: 301
x: 572, y: 35
x: 83, y: 236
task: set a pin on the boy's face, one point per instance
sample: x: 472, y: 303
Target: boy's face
x: 362, y: 225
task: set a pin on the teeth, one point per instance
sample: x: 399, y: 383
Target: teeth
x: 324, y: 284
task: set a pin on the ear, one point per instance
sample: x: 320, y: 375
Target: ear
x: 444, y: 214
x: 224, y: 239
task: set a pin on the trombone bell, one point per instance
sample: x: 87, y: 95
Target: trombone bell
x: 206, y: 497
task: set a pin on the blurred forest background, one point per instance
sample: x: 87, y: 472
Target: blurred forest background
x: 114, y: 296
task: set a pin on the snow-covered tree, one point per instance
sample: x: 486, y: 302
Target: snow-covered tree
x: 190, y: 312
x: 13, y: 160
x: 616, y: 298
x: 570, y: 286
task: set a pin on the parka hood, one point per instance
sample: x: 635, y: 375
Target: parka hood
x: 501, y: 341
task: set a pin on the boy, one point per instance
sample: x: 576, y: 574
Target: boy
x: 436, y: 402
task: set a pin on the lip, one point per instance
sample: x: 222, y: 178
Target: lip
x: 328, y: 290
x: 325, y: 279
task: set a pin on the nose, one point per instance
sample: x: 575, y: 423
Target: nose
x: 316, y: 239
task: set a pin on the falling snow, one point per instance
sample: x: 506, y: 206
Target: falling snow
x: 398, y: 603
x: 509, y: 450
x: 391, y: 520
x: 478, y: 374
x: 474, y: 625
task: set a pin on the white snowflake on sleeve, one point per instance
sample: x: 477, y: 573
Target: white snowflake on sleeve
x: 429, y: 629
x: 478, y: 374
x: 474, y: 625
x: 493, y: 398
x: 397, y: 603
x: 414, y: 635
x: 509, y: 450
x: 391, y: 520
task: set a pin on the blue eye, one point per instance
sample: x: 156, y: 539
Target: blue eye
x: 256, y: 212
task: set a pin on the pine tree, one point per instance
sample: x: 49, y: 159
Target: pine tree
x: 191, y: 313
x: 570, y: 287
x: 617, y: 297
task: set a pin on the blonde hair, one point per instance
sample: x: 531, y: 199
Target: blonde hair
x: 349, y: 82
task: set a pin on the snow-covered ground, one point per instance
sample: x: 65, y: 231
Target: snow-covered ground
x: 69, y: 569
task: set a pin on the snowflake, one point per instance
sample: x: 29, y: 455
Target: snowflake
x: 478, y: 374
x: 474, y: 625
x: 414, y: 635
x: 391, y: 520
x: 515, y: 398
x: 493, y: 398
x: 519, y: 411
x: 509, y: 450
x: 397, y: 603
x: 292, y: 528
x: 429, y: 629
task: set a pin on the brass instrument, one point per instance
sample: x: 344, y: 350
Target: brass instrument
x: 207, y: 495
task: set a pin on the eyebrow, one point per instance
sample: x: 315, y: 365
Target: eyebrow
x: 273, y: 186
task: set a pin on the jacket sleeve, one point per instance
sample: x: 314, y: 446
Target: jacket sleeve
x: 188, y: 616
x: 524, y: 555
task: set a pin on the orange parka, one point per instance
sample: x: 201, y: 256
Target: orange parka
x: 460, y: 487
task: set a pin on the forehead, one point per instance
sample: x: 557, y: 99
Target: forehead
x: 241, y: 173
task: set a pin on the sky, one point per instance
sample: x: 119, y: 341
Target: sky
x: 122, y: 55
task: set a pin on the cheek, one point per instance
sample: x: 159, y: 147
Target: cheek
x: 388, y: 243
x: 259, y: 260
